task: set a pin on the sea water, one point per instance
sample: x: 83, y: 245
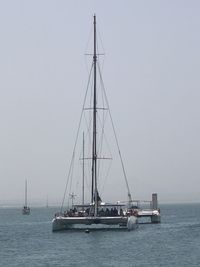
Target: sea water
x: 27, y: 240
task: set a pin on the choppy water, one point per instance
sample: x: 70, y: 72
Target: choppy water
x: 29, y: 241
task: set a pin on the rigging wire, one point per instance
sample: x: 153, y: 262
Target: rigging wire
x: 103, y: 137
x: 106, y: 176
x: 122, y: 163
x: 86, y: 48
x: 101, y: 42
x: 73, y: 154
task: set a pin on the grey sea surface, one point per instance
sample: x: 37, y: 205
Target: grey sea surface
x: 29, y: 241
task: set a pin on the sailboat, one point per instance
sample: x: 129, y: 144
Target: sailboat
x: 25, y: 209
x: 94, y: 214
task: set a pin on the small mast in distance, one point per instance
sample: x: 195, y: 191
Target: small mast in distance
x: 26, y: 209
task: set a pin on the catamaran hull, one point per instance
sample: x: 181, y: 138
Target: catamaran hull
x: 65, y: 223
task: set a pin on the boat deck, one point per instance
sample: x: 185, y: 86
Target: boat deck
x: 154, y: 215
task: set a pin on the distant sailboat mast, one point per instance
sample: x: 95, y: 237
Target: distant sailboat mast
x: 47, y: 202
x: 26, y: 193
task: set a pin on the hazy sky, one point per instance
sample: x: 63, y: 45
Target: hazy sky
x: 151, y: 73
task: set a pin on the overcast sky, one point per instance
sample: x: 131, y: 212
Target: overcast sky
x: 151, y: 73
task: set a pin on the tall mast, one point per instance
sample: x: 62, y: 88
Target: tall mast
x: 94, y: 145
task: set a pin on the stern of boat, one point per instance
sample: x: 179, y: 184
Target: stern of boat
x: 132, y: 223
x: 57, y: 224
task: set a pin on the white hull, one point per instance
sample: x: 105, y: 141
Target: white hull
x: 64, y: 223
